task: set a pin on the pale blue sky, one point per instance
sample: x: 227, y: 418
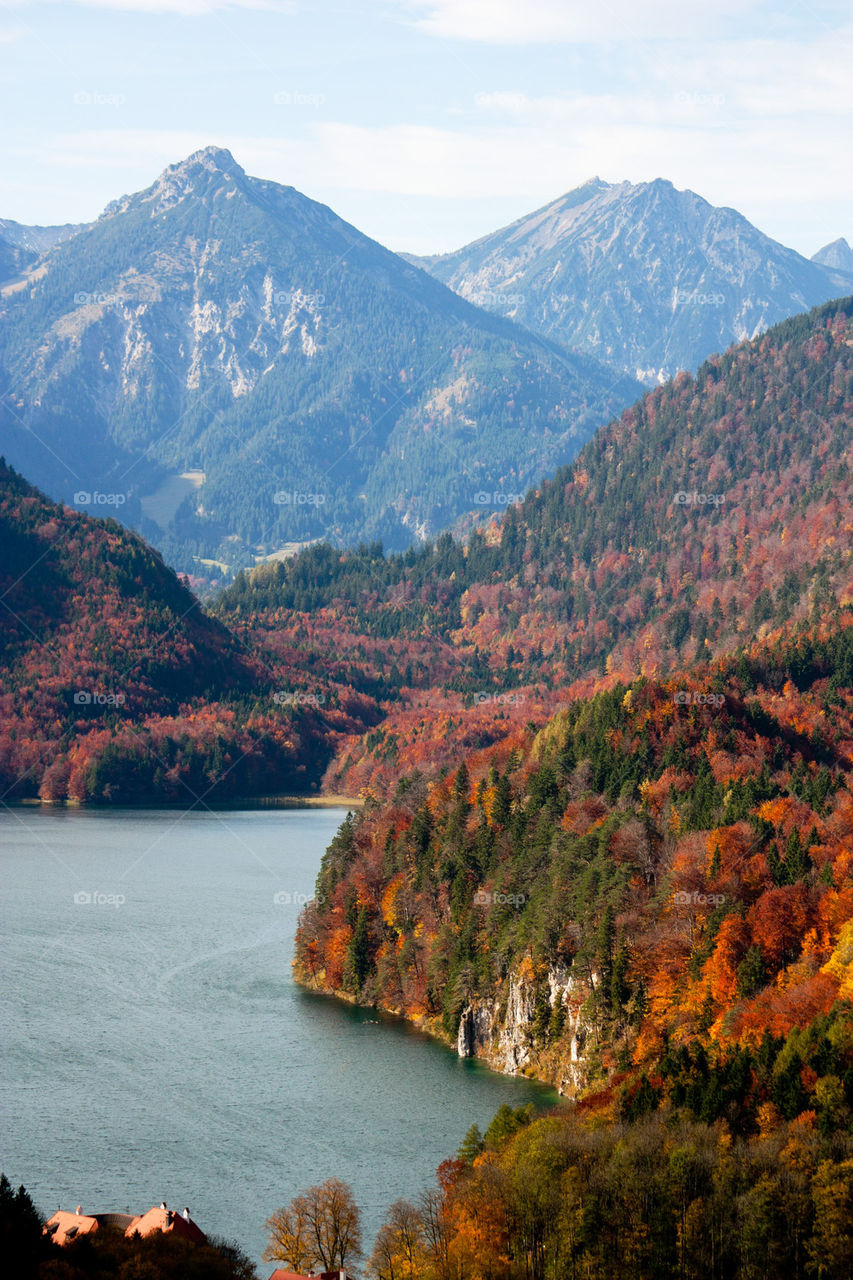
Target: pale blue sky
x: 429, y: 122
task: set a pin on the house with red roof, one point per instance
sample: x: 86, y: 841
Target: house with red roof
x: 65, y: 1226
x: 167, y: 1221
x: 317, y: 1275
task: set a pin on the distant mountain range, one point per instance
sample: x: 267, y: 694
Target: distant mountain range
x: 650, y: 279
x: 232, y: 368
x: 37, y: 239
x: 21, y: 246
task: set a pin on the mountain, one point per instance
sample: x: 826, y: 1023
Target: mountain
x: 714, y: 511
x: 623, y: 864
x: 838, y: 256
x: 22, y: 246
x: 660, y: 874
x: 645, y: 277
x: 37, y: 239
x: 118, y: 687
x: 13, y: 260
x: 233, y: 369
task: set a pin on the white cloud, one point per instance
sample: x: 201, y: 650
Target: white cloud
x: 581, y: 21
x: 721, y: 84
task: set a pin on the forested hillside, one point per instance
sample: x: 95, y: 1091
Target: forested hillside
x: 654, y: 888
x: 118, y: 686
x: 714, y: 511
x: 633, y: 886
x: 578, y: 1197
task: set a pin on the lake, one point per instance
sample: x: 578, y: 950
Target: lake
x: 157, y: 1048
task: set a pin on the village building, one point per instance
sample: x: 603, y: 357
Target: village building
x: 65, y: 1226
x: 317, y: 1275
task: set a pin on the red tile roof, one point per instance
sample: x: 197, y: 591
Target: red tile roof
x: 64, y: 1226
x: 315, y: 1275
x: 166, y: 1220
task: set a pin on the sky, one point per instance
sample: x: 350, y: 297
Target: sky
x: 427, y: 123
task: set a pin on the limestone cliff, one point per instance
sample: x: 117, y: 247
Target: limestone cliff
x: 501, y: 1032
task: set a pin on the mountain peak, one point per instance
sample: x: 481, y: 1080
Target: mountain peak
x: 649, y: 277
x: 838, y: 254
x: 205, y: 171
x: 586, y: 190
x: 211, y: 159
x: 659, y: 186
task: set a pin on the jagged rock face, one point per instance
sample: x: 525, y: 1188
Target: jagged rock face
x: 222, y: 324
x: 650, y: 279
x: 506, y: 1042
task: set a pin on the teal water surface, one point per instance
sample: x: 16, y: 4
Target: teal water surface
x: 157, y: 1048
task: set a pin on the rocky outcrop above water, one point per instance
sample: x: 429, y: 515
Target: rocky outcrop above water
x: 502, y: 1031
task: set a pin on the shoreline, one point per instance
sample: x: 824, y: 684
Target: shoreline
x: 429, y: 1027
x: 308, y: 801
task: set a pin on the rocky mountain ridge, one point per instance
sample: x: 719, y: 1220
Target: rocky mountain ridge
x: 650, y: 278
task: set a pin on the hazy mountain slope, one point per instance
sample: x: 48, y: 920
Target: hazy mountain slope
x: 13, y: 260
x: 838, y: 255
x: 22, y: 246
x: 315, y: 383
x: 37, y: 239
x: 648, y: 278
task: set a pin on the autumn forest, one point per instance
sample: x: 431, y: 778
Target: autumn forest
x: 600, y: 758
